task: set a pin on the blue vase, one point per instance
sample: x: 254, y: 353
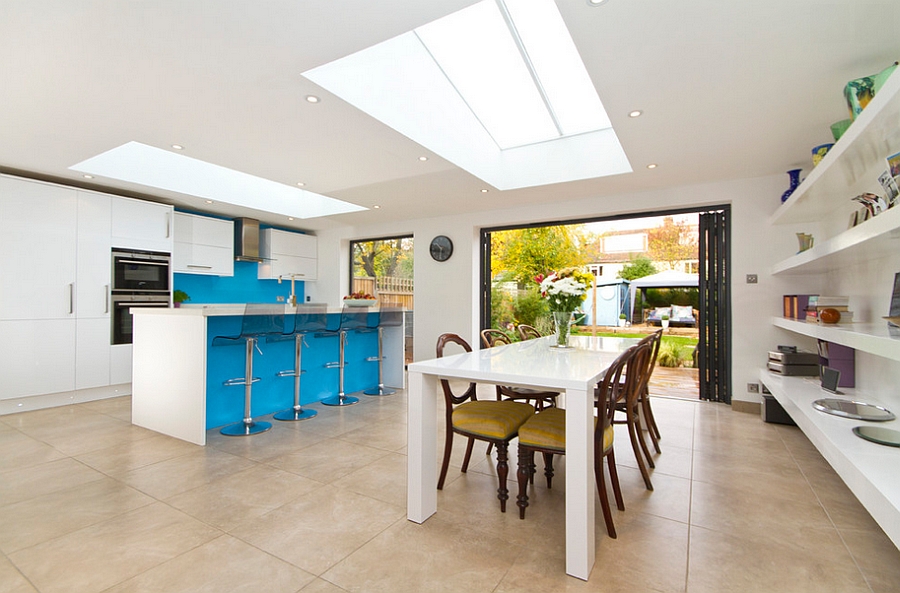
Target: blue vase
x: 795, y: 181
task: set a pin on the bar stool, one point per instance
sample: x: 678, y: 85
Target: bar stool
x: 352, y: 318
x: 259, y: 320
x: 308, y: 319
x: 387, y: 317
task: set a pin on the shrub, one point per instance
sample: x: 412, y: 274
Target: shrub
x: 529, y: 306
x: 669, y: 355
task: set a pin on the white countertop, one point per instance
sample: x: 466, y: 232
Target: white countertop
x: 216, y: 310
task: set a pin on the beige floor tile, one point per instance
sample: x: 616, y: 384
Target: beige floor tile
x: 82, y: 437
x: 122, y: 458
x: 284, y: 438
x: 328, y: 460
x: 97, y: 557
x: 673, y: 461
x: 669, y: 499
x: 224, y: 564
x: 37, y: 480
x: 322, y: 586
x: 316, y: 531
x: 37, y: 520
x: 21, y: 450
x: 877, y: 557
x: 242, y: 496
x: 180, y: 474
x: 725, y: 468
x: 11, y: 580
x: 437, y: 556
x: 384, y: 479
x: 723, y: 563
x: 117, y: 407
x: 389, y: 436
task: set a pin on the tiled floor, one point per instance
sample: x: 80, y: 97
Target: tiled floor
x: 90, y: 503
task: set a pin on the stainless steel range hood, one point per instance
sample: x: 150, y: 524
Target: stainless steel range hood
x: 246, y: 240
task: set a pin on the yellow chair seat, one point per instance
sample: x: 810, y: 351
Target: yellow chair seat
x: 547, y: 430
x: 494, y: 420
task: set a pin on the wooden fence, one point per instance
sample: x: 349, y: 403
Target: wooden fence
x: 390, y: 290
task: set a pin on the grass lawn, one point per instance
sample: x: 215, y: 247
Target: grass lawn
x: 684, y: 344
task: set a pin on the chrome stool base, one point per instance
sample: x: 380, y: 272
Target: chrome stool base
x: 340, y: 400
x: 380, y: 390
x: 243, y: 429
x: 294, y: 415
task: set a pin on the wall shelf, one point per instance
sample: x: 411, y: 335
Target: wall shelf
x: 852, y: 166
x: 874, y: 338
x: 871, y: 471
x: 872, y: 239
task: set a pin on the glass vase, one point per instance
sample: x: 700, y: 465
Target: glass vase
x: 562, y: 324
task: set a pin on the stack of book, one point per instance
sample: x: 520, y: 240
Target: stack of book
x: 819, y: 303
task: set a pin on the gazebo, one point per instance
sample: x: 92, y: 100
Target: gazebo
x: 667, y: 279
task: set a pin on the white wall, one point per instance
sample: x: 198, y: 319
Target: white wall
x: 447, y: 293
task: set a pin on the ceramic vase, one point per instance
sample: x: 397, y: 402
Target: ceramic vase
x: 562, y: 324
x: 795, y: 181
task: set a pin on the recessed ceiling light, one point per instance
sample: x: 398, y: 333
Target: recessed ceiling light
x: 376, y: 206
x: 651, y: 166
x: 596, y: 2
x: 423, y: 158
x: 484, y: 191
x: 290, y: 218
x: 88, y: 176
x: 300, y: 184
x: 635, y: 113
x: 178, y: 147
x: 312, y: 99
x: 209, y: 201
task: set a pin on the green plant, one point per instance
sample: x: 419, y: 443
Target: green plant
x: 669, y: 355
x: 664, y: 317
x: 179, y: 296
x: 621, y: 316
x: 528, y: 306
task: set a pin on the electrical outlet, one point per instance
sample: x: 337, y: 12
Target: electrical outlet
x: 280, y: 299
x: 752, y: 279
x: 752, y: 387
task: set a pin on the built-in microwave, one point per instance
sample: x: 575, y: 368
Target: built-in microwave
x: 144, y: 271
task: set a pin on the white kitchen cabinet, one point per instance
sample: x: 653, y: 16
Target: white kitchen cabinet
x: 92, y: 361
x: 287, y: 254
x: 120, y: 364
x: 37, y: 356
x: 137, y: 224
x: 203, y: 245
x: 94, y: 262
x: 38, y: 245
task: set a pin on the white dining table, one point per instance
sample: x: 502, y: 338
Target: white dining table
x: 534, y: 363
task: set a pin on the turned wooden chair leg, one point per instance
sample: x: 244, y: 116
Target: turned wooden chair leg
x: 448, y: 447
x: 524, y: 473
x: 465, y: 465
x: 632, y: 433
x: 502, y: 474
x: 614, y: 480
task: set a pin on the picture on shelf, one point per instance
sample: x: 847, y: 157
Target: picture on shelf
x: 893, y: 162
x: 891, y: 191
x: 853, y: 217
x: 893, y: 316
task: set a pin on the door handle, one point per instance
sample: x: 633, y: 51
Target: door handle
x: 199, y: 266
x: 106, y: 294
x: 71, y: 298
x: 168, y: 218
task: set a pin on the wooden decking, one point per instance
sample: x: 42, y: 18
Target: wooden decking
x: 671, y: 382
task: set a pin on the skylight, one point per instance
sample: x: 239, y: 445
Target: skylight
x: 162, y: 169
x: 498, y: 88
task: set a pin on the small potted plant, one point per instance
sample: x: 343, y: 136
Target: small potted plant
x: 664, y: 321
x: 179, y: 296
x: 621, y: 320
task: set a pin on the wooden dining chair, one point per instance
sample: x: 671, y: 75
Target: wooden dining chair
x: 655, y: 340
x: 629, y: 403
x: 528, y: 332
x: 546, y: 432
x: 496, y: 422
x: 541, y: 398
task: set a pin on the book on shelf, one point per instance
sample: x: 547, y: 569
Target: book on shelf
x: 832, y: 301
x: 795, y: 306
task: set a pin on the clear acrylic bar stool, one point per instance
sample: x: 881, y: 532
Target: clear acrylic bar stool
x: 352, y: 318
x: 308, y: 319
x: 387, y: 317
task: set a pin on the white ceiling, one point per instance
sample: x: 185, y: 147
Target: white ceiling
x: 728, y: 89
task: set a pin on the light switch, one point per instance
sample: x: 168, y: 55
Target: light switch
x: 752, y: 279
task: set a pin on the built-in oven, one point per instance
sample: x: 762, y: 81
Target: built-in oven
x: 142, y: 271
x: 122, y: 321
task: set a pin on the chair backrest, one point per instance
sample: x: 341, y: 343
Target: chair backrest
x: 494, y: 337
x: 527, y: 332
x: 354, y: 317
x: 310, y: 317
x: 612, y: 388
x: 261, y: 319
x: 449, y: 397
x: 656, y: 341
x: 390, y: 316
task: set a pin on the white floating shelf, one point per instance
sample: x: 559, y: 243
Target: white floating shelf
x: 874, y: 238
x: 853, y: 164
x: 874, y: 338
x: 871, y: 471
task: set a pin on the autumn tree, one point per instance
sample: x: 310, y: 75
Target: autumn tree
x: 637, y: 268
x: 672, y: 242
x: 521, y: 254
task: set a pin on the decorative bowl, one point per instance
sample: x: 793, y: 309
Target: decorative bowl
x: 819, y: 152
x: 360, y: 302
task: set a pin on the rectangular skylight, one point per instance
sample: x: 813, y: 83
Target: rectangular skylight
x: 497, y: 88
x: 162, y: 169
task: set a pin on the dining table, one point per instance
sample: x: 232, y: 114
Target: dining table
x: 538, y: 363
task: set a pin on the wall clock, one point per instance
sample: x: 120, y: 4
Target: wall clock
x: 441, y: 248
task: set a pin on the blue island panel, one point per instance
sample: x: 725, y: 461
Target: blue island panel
x: 225, y: 405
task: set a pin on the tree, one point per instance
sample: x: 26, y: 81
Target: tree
x: 637, y: 268
x: 672, y: 242
x: 521, y: 254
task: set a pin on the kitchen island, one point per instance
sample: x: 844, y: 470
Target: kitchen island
x: 178, y: 378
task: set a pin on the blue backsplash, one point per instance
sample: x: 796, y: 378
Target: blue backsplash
x: 243, y: 287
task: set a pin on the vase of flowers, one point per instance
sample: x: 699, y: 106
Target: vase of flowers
x: 564, y: 290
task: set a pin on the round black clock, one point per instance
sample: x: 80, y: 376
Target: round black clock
x: 441, y: 248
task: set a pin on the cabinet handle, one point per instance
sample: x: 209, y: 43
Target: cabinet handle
x: 199, y: 266
x: 107, y: 299
x: 71, y: 297
x: 168, y: 218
